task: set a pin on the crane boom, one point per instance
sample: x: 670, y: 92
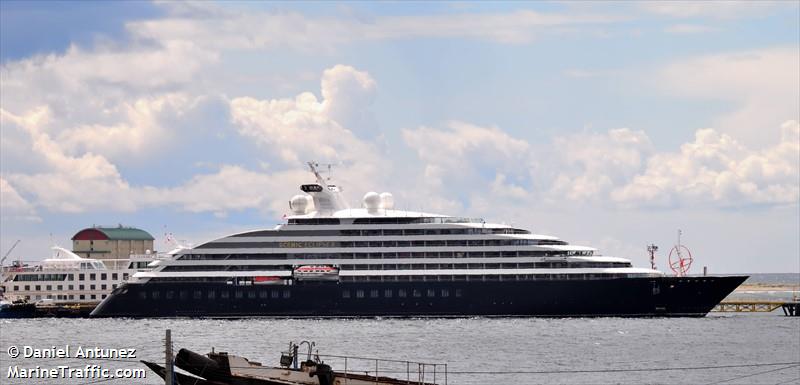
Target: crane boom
x: 9, y: 252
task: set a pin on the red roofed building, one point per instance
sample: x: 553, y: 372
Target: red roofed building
x: 111, y: 242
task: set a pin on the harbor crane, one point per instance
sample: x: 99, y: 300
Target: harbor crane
x: 9, y: 252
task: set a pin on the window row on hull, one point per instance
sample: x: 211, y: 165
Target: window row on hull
x: 415, y: 278
x: 345, y: 244
x: 390, y: 255
x: 379, y: 232
x: 409, y: 266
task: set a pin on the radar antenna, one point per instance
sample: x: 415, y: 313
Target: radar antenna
x: 683, y: 258
x: 314, y: 166
x: 651, y: 249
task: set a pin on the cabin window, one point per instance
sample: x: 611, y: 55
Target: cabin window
x: 359, y: 293
x: 198, y: 294
x: 212, y: 294
x: 345, y: 293
x: 114, y: 276
x: 373, y: 294
x: 401, y: 293
x: 458, y: 292
x: 103, y: 276
x: 445, y: 293
x: 182, y: 295
x: 82, y: 296
x: 287, y: 294
x: 387, y: 293
x: 124, y: 276
x: 38, y: 287
x: 71, y: 296
x: 103, y: 287
x: 274, y: 294
x: 103, y: 297
x: 263, y: 294
x: 16, y: 288
x: 92, y: 276
x: 49, y: 287
x: 92, y: 287
x: 155, y: 294
x: 431, y: 293
x: 417, y: 293
x: 170, y: 294
x: 238, y: 294
x: 224, y: 294
x: 93, y: 296
x: 251, y: 294
x: 142, y: 295
x: 81, y: 277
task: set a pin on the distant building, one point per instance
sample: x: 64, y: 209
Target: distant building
x: 111, y: 242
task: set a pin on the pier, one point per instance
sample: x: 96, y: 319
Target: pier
x: 790, y: 308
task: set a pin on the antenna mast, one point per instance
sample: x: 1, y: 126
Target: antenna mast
x: 652, y: 248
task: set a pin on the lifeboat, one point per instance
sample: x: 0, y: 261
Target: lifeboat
x: 267, y: 280
x: 316, y: 273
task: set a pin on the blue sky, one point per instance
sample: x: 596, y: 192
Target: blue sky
x: 607, y: 124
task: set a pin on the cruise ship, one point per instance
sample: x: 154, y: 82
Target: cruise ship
x: 330, y: 260
x: 67, y: 278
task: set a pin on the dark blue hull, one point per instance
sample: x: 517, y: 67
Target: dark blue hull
x: 631, y: 297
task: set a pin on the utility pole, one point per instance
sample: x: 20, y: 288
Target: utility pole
x: 168, y: 358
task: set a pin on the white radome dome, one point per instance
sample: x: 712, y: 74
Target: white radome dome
x: 387, y: 200
x: 372, y: 201
x: 299, y: 204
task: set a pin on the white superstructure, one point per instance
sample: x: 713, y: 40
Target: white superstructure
x: 69, y: 278
x: 379, y: 243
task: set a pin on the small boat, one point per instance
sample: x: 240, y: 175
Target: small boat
x: 267, y: 280
x: 17, y: 309
x: 316, y: 273
x: 221, y: 368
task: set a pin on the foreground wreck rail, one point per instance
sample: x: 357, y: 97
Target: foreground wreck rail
x: 416, y: 372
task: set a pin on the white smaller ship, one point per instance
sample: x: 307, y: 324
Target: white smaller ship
x: 68, y: 279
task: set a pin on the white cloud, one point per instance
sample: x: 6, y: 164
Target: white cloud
x: 231, y: 29
x: 297, y: 129
x: 138, y: 134
x: 716, y: 169
x: 14, y: 206
x: 724, y: 9
x: 619, y: 168
x: 463, y: 149
x: 72, y: 183
x: 591, y: 165
x: 306, y: 128
x: 762, y: 85
x: 689, y: 29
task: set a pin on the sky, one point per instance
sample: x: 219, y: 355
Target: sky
x: 607, y: 124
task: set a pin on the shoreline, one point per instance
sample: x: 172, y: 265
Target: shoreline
x: 767, y: 287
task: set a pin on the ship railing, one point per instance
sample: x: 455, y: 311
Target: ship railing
x: 404, y: 371
x: 21, y: 269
